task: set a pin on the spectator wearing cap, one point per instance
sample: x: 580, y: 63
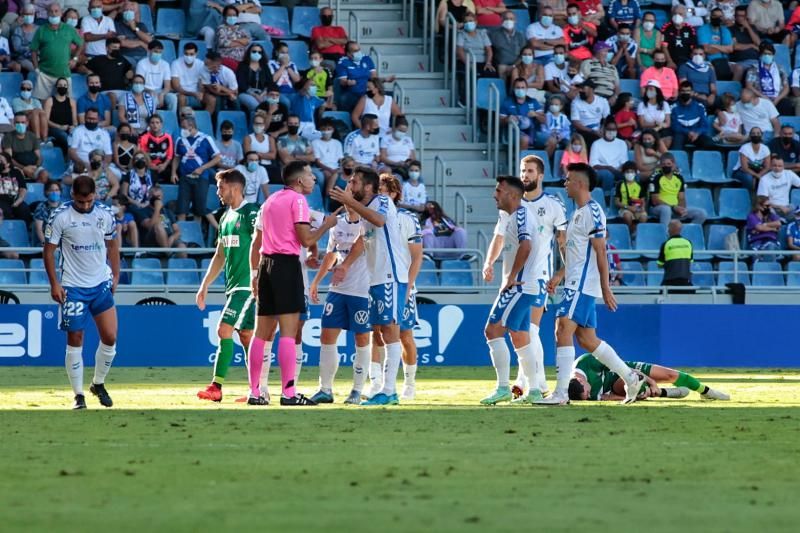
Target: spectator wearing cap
x: 769, y: 81
x: 220, y: 88
x: 556, y: 73
x: 787, y: 148
x: 757, y: 112
x: 717, y: 42
x: 114, y: 70
x: 777, y: 185
x: 352, y: 72
x: 689, y: 121
x: 327, y: 39
x: 544, y: 35
x: 767, y: 17
x: 507, y: 43
x: 523, y: 111
x: 185, y: 74
x: 668, y: 196
x: 607, y: 156
x: 701, y: 77
x: 624, y: 50
x: 679, y: 37
x: 24, y: 147
x: 489, y: 12
x: 556, y: 127
x: 31, y: 107
x: 588, y: 112
x: 653, y: 111
x: 157, y: 76
x: 96, y: 28
x: 660, y: 72
x: 601, y: 72
x: 51, y: 55
x: 196, y: 156
x: 579, y: 34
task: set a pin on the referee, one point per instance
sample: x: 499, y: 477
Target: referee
x: 282, y: 228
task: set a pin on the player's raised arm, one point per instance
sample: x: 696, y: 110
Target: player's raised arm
x: 309, y: 237
x: 345, y: 197
x: 212, y: 272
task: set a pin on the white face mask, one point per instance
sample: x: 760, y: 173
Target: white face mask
x: 698, y: 60
x: 555, y: 108
x: 327, y: 134
x: 651, y: 93
x: 648, y: 25
x: 398, y: 135
x: 509, y: 24
x: 577, y: 148
x: 189, y: 60
x: 677, y: 19
x: 630, y: 176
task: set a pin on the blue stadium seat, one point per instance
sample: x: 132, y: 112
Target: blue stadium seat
x: 220, y: 281
x: 304, y: 19
x: 561, y: 193
x: 767, y: 274
x: 523, y: 19
x: 599, y: 197
x: 482, y: 92
x: 701, y: 274
x: 315, y: 200
x: 791, y: 121
x: 541, y: 154
x: 650, y: 236
x: 631, y: 86
x: 170, y: 23
x: 79, y: 86
x: 35, y: 193
x: 459, y: 274
x: 298, y: 51
x: 202, y: 48
x: 633, y: 275
x: 147, y: 271
x: 557, y: 166
x: 733, y: 158
x: 654, y: 275
x: 186, y: 273
x: 427, y: 276
x: 239, y: 120
x: 146, y: 17
x: 344, y: 116
x: 733, y: 87
x: 9, y: 85
x: 707, y: 167
x: 716, y: 237
x: 53, y: 161
x: 782, y: 58
x: 726, y: 276
x: 701, y: 198
x: 15, y: 232
x: 12, y: 272
x: 37, y: 275
x: 793, y: 274
x: 170, y: 123
x: 169, y: 55
x: 682, y: 161
x: 734, y: 204
x: 277, y: 17
x: 170, y: 192
x: 619, y: 236
x: 694, y: 234
x: 191, y: 233
x: 203, y: 119
x: 212, y: 200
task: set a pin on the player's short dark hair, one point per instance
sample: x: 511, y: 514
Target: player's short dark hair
x: 586, y: 170
x: 575, y: 389
x: 369, y: 177
x: 83, y: 186
x: 231, y: 176
x: 155, y: 44
x: 293, y: 171
x: 536, y: 160
x: 512, y: 181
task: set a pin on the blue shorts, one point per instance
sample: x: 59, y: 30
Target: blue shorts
x: 409, y: 318
x: 305, y: 314
x: 512, y: 310
x: 386, y: 303
x: 343, y: 311
x: 82, y: 303
x: 540, y: 298
x: 578, y: 307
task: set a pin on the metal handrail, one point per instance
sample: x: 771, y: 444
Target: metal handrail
x: 471, y: 92
x: 512, y: 146
x: 482, y: 239
x: 439, y: 166
x: 419, y: 142
x: 410, y: 18
x: 336, y: 9
x: 430, y: 49
x: 493, y: 133
x: 461, y: 222
x: 353, y: 16
x: 450, y: 33
x: 376, y: 58
x: 399, y: 96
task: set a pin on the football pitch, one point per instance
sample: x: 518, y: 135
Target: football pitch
x: 161, y: 460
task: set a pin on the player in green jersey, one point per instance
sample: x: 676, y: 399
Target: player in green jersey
x: 592, y: 380
x: 233, y: 254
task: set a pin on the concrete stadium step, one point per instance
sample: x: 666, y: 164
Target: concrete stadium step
x: 369, y: 11
x: 481, y: 208
x: 395, y: 64
x: 469, y: 173
x: 397, y: 47
x: 459, y: 154
x: 419, y: 80
x: 424, y: 98
x: 383, y: 29
x: 432, y: 115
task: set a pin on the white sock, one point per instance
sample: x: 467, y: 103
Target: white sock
x: 606, y: 355
x: 526, y: 363
x: 74, y: 363
x: 565, y: 357
x: 298, y: 350
x: 394, y: 356
x: 360, y: 366
x: 522, y: 379
x: 328, y: 364
x: 409, y: 375
x: 376, y: 373
x: 102, y: 362
x: 501, y: 359
x: 265, y: 369
x: 539, y: 380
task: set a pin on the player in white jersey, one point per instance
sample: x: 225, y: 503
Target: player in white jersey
x: 388, y: 260
x: 84, y: 283
x: 346, y: 306
x: 551, y: 219
x: 518, y: 290
x: 585, y: 278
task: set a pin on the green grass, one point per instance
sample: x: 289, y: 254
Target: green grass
x: 160, y: 460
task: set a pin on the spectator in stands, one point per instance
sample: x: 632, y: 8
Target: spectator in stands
x: 475, y: 40
x: 489, y: 12
x: 51, y: 202
x: 766, y: 16
x: 759, y: 113
x: 51, y: 55
x: 624, y: 12
x: 327, y: 150
x: 717, y: 42
x: 127, y: 232
x: 728, y: 124
x: 70, y: 18
x: 376, y: 102
x: 746, y: 41
x: 588, y: 112
x: 62, y: 114
x: 196, y: 156
x: 322, y: 78
x: 603, y: 74
x: 136, y: 183
x: 576, y: 153
x: 441, y: 231
x: 696, y: 12
x: 12, y: 192
x: 123, y: 148
x: 106, y: 181
x: 689, y: 121
x: 347, y: 167
x: 629, y: 198
x: 793, y: 239
x: 607, y: 156
x: 531, y: 72
x: 679, y: 38
x: 255, y: 177
x: 229, y: 148
x: 309, y: 107
x: 523, y: 111
x: 625, y: 117
x: 777, y: 185
x: 133, y: 33
x: 159, y: 147
x: 397, y: 148
x: 95, y: 99
x: 543, y: 36
x: 787, y: 148
x: 556, y: 76
x: 22, y: 36
x: 327, y: 39
x: 762, y: 228
x: 23, y: 147
x: 661, y: 73
x: 353, y: 70
x: 647, y: 153
x: 556, y: 128
x: 250, y: 19
x: 507, y: 43
x: 231, y: 39
x: 363, y: 144
x: 159, y: 223
x: 185, y: 73
x: 137, y: 106
x: 592, y: 11
x: 157, y: 76
x: 114, y: 70
x: 275, y: 111
x: 264, y: 145
x: 294, y: 147
x: 579, y: 34
x: 768, y: 81
x: 6, y: 116
x: 253, y: 78
x: 220, y: 88
x: 96, y: 28
x: 623, y: 51
x: 668, y: 197
x: 89, y: 137
x: 284, y: 72
x: 675, y: 257
x: 414, y: 194
x: 754, y: 161
x: 559, y: 8
x: 701, y: 77
x: 615, y: 276
x: 648, y: 41
x: 795, y: 89
x: 32, y: 108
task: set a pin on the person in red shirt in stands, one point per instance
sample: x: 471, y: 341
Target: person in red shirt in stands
x: 591, y: 11
x: 579, y: 35
x: 489, y: 12
x: 327, y: 39
x: 160, y: 147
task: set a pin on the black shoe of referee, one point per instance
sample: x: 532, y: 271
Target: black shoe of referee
x: 80, y: 402
x: 102, y: 394
x: 299, y: 399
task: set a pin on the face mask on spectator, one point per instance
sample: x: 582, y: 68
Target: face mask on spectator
x: 547, y: 20
x: 624, y: 37
x: 62, y: 91
x: 470, y: 26
x: 559, y: 59
x: 271, y: 100
x: 140, y: 164
x: 413, y: 175
x: 73, y: 22
x: 20, y: 128
x: 258, y: 129
x: 685, y: 97
x: 25, y: 95
x: 667, y: 169
x: 648, y: 25
x: 573, y: 20
x: 94, y: 89
x: 659, y: 64
x: 716, y: 22
x: 609, y: 56
x: 577, y: 148
x: 699, y: 60
x: 128, y: 15
x: 227, y: 136
x: 347, y: 171
x: 767, y: 59
x: 54, y: 196
x: 398, y: 135
x: 115, y: 210
x: 370, y: 93
x: 138, y: 87
x: 255, y: 56
x: 630, y: 176
x: 312, y: 90
x: 91, y: 126
x: 326, y: 20
x: 648, y: 143
x: 315, y: 63
x: 252, y: 166
x: 610, y: 135
x: 527, y: 59
x: 54, y: 20
x: 189, y: 60
x: 327, y: 134
x: 358, y: 56
x: 94, y: 164
x: 230, y: 21
x: 28, y: 19
x: 375, y: 131
x: 651, y: 93
x: 677, y: 19
x: 755, y: 138
x: 155, y: 57
x: 509, y: 24
x: 520, y: 93
x: 96, y: 12
x: 185, y: 132
x: 293, y: 129
x: 555, y: 108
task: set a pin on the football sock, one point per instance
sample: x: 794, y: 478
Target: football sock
x: 606, y: 355
x: 287, y: 360
x: 328, y: 364
x: 74, y: 363
x: 565, y: 357
x: 102, y: 362
x: 375, y: 372
x: 298, y: 350
x: 409, y: 374
x: 255, y: 354
x: 689, y: 381
x: 264, y: 381
x: 526, y: 363
x: 223, y: 361
x: 539, y: 380
x: 501, y: 359
x: 363, y: 354
x: 394, y: 355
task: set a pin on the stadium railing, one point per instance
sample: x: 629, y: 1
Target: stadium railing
x: 450, y: 33
x: 493, y: 130
x: 471, y: 82
x: 513, y: 147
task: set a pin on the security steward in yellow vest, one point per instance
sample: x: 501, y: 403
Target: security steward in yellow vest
x: 675, y: 257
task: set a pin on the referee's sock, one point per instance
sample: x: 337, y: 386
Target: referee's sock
x: 102, y: 362
x: 394, y: 355
x: 287, y: 360
x: 74, y: 363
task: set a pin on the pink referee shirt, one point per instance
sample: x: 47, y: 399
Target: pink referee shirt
x: 279, y: 214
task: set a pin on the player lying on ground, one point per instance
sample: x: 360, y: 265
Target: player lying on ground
x: 592, y: 380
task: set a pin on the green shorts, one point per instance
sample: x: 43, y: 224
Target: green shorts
x: 240, y: 310
x: 644, y: 368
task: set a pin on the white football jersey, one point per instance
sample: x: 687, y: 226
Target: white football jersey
x: 82, y: 238
x: 521, y: 226
x: 342, y: 237
x: 411, y: 232
x: 315, y: 219
x: 582, y: 275
x: 388, y: 258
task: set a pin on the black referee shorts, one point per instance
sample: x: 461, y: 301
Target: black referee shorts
x: 280, y: 285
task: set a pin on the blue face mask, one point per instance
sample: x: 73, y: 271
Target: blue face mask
x: 28, y: 19
x: 54, y: 196
x: 520, y: 93
x: 312, y: 91
x: 470, y: 26
x: 20, y: 128
x: 128, y: 16
x: 137, y: 87
x: 54, y: 20
x: 155, y: 57
x: 609, y: 56
x: 96, y: 12
x: 252, y: 166
x: 547, y: 20
x: 358, y: 56
x: 255, y: 56
x: 767, y: 59
x: 230, y: 21
x: 527, y: 60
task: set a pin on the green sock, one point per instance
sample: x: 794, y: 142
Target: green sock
x: 687, y: 380
x: 223, y: 362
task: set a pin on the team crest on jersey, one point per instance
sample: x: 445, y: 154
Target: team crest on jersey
x: 541, y: 211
